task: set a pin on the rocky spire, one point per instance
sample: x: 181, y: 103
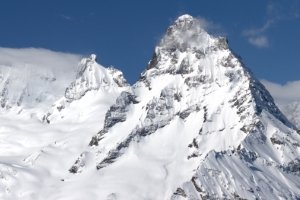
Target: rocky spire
x: 92, y: 76
x: 185, y: 41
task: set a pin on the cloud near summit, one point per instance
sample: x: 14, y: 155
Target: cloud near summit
x: 38, y: 59
x: 284, y: 93
x: 30, y: 64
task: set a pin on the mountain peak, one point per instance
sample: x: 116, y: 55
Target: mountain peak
x: 185, y: 32
x: 93, y: 57
x: 86, y: 63
x: 184, y: 18
x: 203, y: 60
x: 93, y: 76
x: 186, y: 22
x: 184, y: 48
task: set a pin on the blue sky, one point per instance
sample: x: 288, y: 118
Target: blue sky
x: 123, y: 33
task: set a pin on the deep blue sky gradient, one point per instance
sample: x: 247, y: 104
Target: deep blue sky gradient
x: 124, y: 33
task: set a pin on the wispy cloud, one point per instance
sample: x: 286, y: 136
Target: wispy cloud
x: 77, y: 18
x: 287, y: 98
x: 40, y: 61
x: 259, y: 30
x: 210, y: 26
x: 26, y: 68
x: 257, y: 36
x: 284, y: 93
x: 275, y: 13
x: 259, y: 41
x: 66, y: 17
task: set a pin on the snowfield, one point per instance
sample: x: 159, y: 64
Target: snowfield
x: 196, y: 125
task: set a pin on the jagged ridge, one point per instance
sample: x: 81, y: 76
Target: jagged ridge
x: 195, y: 78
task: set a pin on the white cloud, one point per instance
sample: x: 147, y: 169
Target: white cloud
x: 38, y: 59
x: 275, y: 12
x: 259, y: 41
x: 210, y: 26
x: 207, y: 24
x: 257, y: 37
x: 260, y: 30
x: 287, y: 98
x: 284, y: 93
x: 66, y: 17
x: 28, y: 67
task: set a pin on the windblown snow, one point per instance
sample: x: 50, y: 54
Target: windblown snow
x: 196, y: 125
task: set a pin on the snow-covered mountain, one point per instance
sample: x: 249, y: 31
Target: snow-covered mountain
x: 196, y: 125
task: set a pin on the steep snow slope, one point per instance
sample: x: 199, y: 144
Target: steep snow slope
x: 196, y: 125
